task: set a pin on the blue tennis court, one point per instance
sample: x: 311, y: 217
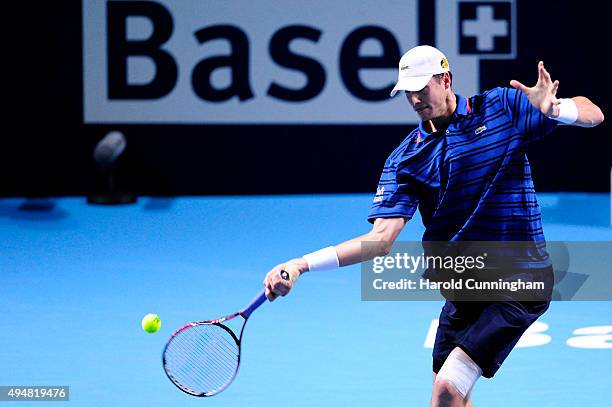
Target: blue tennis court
x: 76, y: 279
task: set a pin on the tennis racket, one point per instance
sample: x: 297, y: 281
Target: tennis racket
x: 202, y: 358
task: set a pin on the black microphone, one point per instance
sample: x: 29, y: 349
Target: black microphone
x: 109, y: 148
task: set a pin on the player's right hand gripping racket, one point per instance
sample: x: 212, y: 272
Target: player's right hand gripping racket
x: 202, y: 358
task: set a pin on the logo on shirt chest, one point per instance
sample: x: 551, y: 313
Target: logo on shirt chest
x: 480, y: 130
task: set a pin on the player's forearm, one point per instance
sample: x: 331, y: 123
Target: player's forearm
x: 589, y: 114
x: 362, y: 248
x: 377, y: 242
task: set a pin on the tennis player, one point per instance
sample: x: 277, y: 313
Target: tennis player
x: 466, y: 170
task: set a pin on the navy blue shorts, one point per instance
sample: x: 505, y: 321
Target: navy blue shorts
x: 486, y: 330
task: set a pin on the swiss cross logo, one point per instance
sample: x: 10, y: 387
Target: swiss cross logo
x: 487, y: 27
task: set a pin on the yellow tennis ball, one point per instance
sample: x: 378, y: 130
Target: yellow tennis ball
x: 151, y: 323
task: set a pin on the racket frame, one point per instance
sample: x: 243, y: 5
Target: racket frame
x: 245, y: 314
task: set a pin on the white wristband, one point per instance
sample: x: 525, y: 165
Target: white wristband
x: 324, y: 259
x: 568, y: 111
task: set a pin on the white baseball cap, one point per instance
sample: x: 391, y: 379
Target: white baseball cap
x: 417, y: 66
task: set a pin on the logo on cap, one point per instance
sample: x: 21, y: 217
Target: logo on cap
x: 444, y: 63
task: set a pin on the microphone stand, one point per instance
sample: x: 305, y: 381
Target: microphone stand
x: 109, y: 193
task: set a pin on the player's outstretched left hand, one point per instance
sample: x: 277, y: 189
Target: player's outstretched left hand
x: 280, y: 279
x: 544, y: 94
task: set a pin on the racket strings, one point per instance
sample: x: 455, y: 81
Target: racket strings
x: 209, y: 362
x: 204, y: 361
x: 202, y: 358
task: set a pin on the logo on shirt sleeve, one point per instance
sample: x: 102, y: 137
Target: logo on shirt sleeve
x: 380, y: 193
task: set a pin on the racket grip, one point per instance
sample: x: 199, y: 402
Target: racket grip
x: 257, y: 301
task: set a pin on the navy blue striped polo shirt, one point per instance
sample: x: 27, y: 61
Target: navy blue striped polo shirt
x: 472, y: 183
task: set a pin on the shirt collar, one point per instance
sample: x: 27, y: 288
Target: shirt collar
x: 463, y: 106
x: 422, y: 132
x: 462, y: 109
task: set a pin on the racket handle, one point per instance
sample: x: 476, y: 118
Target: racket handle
x: 257, y: 301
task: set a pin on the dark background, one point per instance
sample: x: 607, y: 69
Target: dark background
x: 46, y: 148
